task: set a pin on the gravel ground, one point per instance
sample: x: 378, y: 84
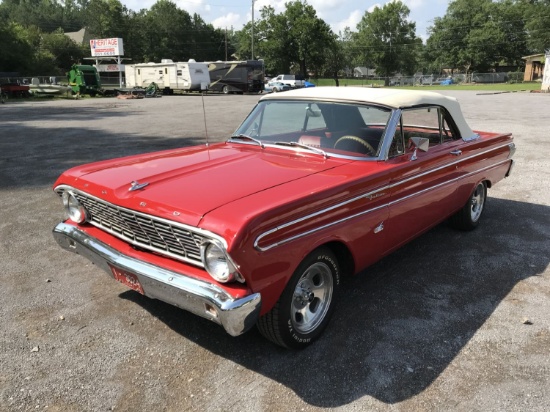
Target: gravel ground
x: 452, y: 321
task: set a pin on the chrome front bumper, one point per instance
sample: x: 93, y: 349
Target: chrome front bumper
x: 199, y: 297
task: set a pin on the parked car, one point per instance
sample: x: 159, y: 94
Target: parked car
x: 309, y: 84
x: 294, y: 81
x: 330, y: 181
x: 276, y: 87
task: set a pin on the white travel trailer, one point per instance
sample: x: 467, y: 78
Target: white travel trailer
x: 169, y: 76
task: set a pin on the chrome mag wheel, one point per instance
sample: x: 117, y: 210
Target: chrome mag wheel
x: 477, y: 202
x: 312, y: 297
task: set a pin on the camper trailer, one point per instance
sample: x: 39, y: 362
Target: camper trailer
x: 169, y: 76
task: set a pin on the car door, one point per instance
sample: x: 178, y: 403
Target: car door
x: 423, y: 184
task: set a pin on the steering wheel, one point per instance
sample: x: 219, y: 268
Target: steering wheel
x: 370, y: 149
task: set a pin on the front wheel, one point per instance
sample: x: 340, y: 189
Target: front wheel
x: 225, y: 90
x: 306, y: 304
x: 468, y: 217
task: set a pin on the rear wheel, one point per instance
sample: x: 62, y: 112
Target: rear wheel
x: 225, y: 90
x: 468, y: 217
x: 306, y: 305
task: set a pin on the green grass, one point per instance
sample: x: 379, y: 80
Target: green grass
x: 495, y: 87
x: 347, y: 82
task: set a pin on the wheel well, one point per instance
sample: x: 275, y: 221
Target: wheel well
x: 344, y: 256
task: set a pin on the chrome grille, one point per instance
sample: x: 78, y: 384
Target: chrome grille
x: 143, y: 230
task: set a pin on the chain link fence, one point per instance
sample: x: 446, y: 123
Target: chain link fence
x: 456, y: 78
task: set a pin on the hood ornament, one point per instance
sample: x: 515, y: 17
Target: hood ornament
x: 135, y: 185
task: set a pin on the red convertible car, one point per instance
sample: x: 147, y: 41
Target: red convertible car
x: 316, y: 184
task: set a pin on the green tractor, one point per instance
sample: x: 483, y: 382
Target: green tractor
x: 84, y: 79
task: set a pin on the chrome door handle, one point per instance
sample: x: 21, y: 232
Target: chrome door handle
x: 456, y: 152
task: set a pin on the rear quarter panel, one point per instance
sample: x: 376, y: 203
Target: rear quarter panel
x: 484, y: 159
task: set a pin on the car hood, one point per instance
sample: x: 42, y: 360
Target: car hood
x: 186, y: 184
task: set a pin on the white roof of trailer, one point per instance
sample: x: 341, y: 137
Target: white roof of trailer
x: 392, y: 98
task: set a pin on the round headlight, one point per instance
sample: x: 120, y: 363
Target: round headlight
x: 216, y: 263
x: 75, y: 211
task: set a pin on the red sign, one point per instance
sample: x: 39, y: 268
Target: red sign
x: 128, y: 279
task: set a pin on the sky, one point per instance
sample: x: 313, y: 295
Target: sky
x: 339, y: 14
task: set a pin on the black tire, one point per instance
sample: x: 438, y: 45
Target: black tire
x: 275, y: 90
x: 225, y: 90
x: 306, y: 304
x: 469, y: 216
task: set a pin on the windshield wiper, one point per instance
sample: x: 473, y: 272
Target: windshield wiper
x: 304, y: 146
x: 245, y: 137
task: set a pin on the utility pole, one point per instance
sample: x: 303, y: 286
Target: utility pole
x: 253, y: 29
x: 226, y: 44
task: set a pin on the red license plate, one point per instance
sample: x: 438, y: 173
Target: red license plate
x: 128, y: 279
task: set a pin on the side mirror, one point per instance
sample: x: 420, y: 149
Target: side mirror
x: 421, y: 143
x: 313, y: 113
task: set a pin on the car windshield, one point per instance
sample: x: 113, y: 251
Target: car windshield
x: 336, y: 128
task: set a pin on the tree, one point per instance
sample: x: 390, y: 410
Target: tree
x: 17, y: 51
x: 334, y: 59
x: 166, y: 33
x: 208, y: 43
x: 387, y: 39
x: 293, y: 41
x: 351, y: 55
x: 273, y: 42
x: 64, y: 52
x: 537, y: 24
x: 46, y: 15
x: 309, y: 35
x: 477, y: 35
x: 105, y: 18
x: 509, y: 15
x: 241, y: 40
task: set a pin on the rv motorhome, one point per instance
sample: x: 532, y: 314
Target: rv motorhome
x: 237, y: 76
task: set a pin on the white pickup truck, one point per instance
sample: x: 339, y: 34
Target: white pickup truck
x: 294, y: 81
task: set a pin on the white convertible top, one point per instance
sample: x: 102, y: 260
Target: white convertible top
x: 392, y: 98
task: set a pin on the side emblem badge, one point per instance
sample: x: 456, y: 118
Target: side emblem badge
x: 135, y: 185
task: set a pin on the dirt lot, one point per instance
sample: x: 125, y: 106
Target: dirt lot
x: 453, y: 321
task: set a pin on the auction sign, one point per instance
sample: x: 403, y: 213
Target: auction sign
x: 106, y: 47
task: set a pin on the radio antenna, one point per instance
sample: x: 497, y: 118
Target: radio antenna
x: 204, y: 116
